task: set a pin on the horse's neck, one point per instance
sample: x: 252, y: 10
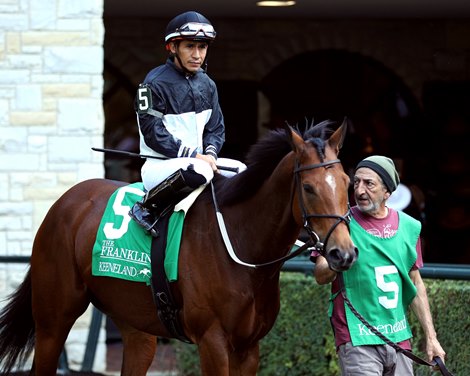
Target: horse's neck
x: 265, y: 224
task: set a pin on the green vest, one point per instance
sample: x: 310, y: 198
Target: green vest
x: 378, y: 284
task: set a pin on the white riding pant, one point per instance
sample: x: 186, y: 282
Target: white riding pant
x: 154, y: 171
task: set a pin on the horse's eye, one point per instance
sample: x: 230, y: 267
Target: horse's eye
x: 308, y: 188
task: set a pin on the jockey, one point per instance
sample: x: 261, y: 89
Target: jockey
x: 180, y: 121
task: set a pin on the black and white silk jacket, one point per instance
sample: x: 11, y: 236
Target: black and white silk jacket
x: 178, y: 114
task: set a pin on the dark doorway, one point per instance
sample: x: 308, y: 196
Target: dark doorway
x: 385, y: 117
x: 447, y: 109
x: 333, y: 84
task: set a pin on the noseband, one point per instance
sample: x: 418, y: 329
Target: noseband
x: 318, y: 245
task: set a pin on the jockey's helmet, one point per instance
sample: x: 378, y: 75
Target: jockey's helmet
x: 189, y: 25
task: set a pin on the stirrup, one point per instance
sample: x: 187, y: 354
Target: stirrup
x: 144, y: 218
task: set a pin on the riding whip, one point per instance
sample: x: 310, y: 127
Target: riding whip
x: 136, y: 155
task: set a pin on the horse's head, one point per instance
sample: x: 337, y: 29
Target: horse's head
x: 321, y: 202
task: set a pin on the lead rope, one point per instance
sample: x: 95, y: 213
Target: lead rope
x: 437, y: 361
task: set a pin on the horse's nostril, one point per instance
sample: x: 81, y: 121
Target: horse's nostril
x: 334, y: 255
x: 340, y: 259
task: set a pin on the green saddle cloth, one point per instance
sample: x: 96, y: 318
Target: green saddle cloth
x: 122, y: 247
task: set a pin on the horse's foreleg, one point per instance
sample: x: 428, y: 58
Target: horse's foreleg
x: 138, y: 350
x: 218, y: 357
x: 213, y: 355
x: 244, y: 362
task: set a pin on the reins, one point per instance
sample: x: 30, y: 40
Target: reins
x: 228, y: 244
x: 437, y: 361
x: 314, y: 242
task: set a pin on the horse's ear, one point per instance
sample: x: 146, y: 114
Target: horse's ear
x: 294, y: 138
x: 337, y: 138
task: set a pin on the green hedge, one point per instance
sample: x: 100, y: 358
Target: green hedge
x: 301, y: 342
x: 450, y: 307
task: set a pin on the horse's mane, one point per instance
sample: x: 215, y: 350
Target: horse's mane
x: 262, y: 159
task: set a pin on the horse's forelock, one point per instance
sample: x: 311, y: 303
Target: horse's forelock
x: 319, y: 144
x: 317, y: 134
x: 321, y: 130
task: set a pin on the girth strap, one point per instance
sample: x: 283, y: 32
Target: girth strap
x: 167, y: 309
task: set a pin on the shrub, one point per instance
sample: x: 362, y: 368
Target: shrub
x: 301, y: 341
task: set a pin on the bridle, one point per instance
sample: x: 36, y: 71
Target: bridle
x: 319, y: 246
x: 314, y: 242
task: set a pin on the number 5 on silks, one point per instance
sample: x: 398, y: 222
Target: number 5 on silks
x: 144, y: 99
x: 144, y: 102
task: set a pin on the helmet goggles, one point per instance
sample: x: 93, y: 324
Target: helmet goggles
x: 193, y: 30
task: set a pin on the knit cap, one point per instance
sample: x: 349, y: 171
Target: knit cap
x: 384, y: 167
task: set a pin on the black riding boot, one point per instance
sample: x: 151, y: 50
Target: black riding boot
x: 159, y: 201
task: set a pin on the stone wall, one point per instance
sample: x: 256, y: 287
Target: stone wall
x: 51, y: 84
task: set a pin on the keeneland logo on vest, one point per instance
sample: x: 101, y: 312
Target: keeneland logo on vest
x: 384, y: 329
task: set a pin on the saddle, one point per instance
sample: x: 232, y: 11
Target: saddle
x: 151, y: 261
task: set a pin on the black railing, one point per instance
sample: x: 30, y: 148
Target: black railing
x: 432, y: 271
x: 429, y: 270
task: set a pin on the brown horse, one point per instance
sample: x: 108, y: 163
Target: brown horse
x: 225, y: 307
